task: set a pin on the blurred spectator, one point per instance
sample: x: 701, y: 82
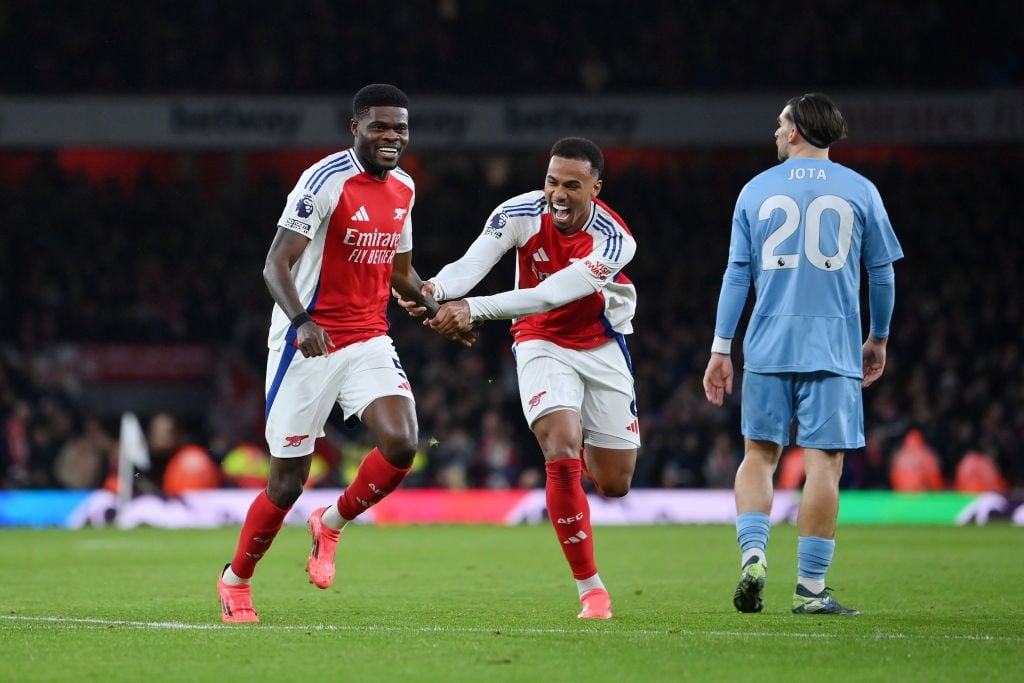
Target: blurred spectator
x: 791, y: 470
x: 721, y: 463
x: 868, y: 467
x: 246, y: 466
x: 80, y: 465
x: 50, y: 425
x: 497, y: 461
x: 319, y: 471
x: 671, y: 459
x: 353, y: 451
x: 324, y: 467
x: 85, y: 460
x: 915, y: 466
x: 17, y: 453
x: 978, y: 473
x: 451, y: 459
x: 190, y: 469
x: 165, y: 440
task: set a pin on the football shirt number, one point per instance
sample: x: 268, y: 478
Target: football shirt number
x: 812, y: 232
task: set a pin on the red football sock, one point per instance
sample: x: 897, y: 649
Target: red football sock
x: 262, y: 523
x: 570, y: 515
x: 375, y: 479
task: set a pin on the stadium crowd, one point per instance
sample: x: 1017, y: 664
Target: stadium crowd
x: 167, y: 260
x: 150, y: 262
x: 459, y: 46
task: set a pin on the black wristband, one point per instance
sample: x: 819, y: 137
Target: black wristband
x: 301, y: 319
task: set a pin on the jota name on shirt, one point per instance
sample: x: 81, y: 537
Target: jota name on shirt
x: 809, y: 173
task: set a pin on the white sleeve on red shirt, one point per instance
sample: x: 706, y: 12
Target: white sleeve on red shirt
x: 405, y: 241
x: 308, y: 209
x: 575, y: 281
x: 568, y: 284
x: 458, y: 277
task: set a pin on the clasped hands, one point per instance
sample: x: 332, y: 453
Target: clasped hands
x: 452, y: 319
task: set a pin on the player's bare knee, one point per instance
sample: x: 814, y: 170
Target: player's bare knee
x: 616, y: 488
x: 559, y: 451
x: 398, y: 449
x: 284, y: 491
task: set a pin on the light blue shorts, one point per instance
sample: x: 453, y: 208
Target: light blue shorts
x: 828, y: 409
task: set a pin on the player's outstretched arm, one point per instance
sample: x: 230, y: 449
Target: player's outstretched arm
x: 452, y: 319
x: 412, y: 307
x: 465, y: 337
x: 406, y: 281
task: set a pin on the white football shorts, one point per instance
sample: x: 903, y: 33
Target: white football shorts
x: 596, y: 383
x: 302, y: 391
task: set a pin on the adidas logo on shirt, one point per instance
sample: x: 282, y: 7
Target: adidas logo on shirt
x: 361, y: 215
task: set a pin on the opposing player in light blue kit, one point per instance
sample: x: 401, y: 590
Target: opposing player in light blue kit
x: 801, y: 232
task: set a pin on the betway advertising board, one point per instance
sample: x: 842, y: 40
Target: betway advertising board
x: 643, y: 120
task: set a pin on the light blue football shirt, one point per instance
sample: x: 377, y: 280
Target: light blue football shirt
x: 807, y: 228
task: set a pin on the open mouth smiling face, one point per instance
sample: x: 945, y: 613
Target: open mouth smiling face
x: 570, y: 187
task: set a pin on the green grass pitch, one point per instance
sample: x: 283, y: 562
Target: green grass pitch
x: 485, y: 603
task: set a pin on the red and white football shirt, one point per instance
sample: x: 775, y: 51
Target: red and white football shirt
x: 570, y: 289
x: 356, y: 224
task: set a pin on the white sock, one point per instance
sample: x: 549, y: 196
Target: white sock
x: 232, y: 579
x: 751, y: 553
x: 813, y: 585
x: 333, y: 519
x: 586, y: 585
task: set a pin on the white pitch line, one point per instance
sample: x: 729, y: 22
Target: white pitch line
x: 78, y: 622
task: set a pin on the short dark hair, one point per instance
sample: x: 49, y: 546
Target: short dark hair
x: 378, y: 95
x: 817, y: 119
x: 580, y: 148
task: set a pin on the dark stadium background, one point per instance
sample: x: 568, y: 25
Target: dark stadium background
x: 106, y: 252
